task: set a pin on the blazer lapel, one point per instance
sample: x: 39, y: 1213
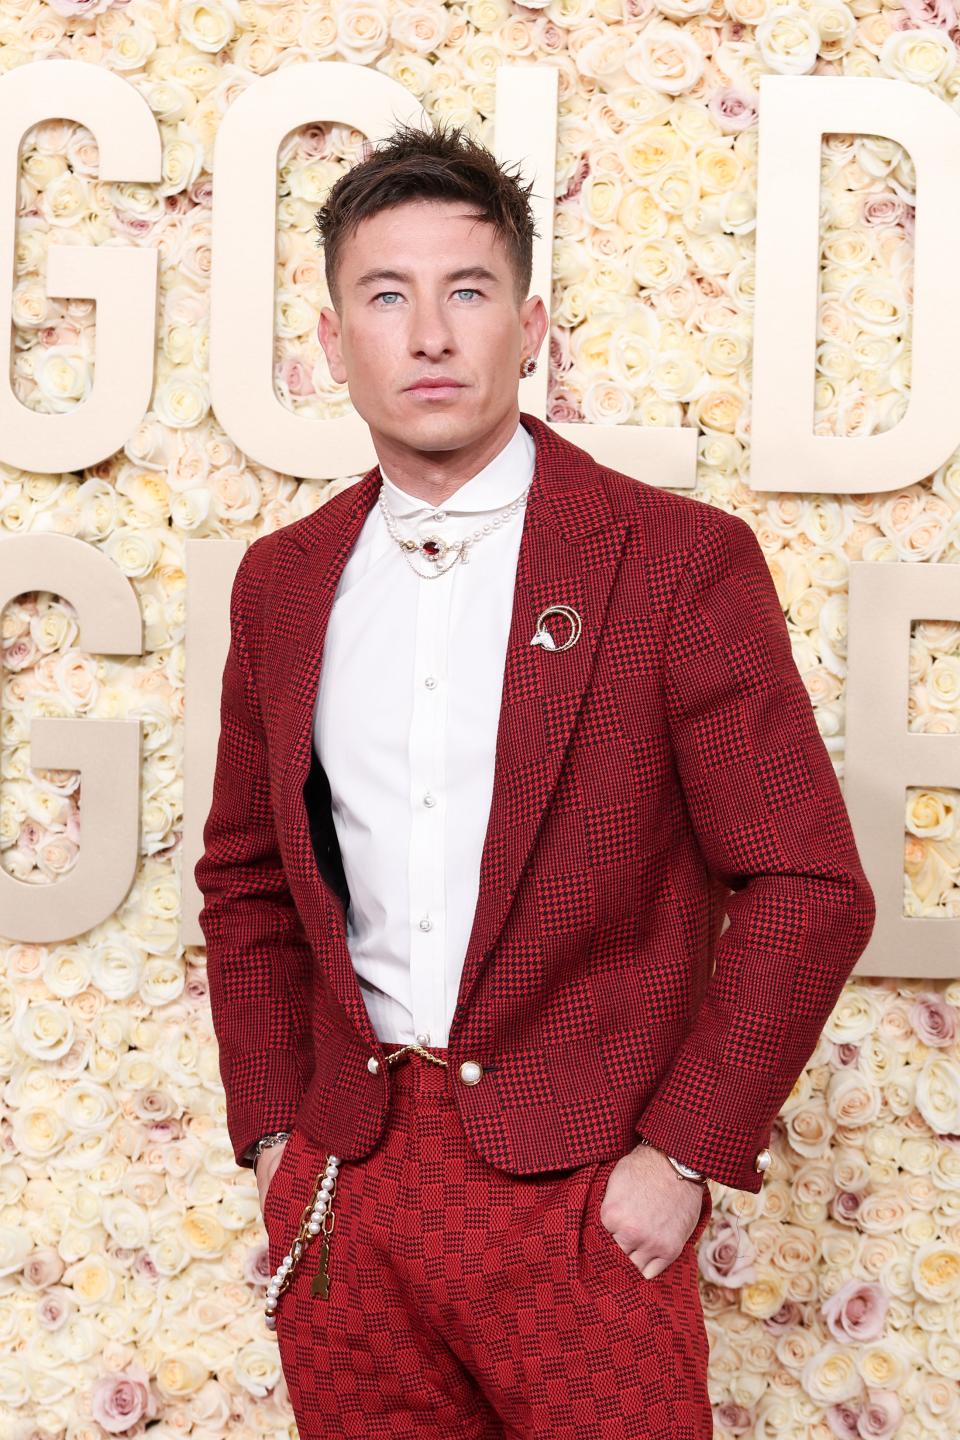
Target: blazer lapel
x: 570, y: 549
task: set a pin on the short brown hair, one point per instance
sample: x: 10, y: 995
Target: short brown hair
x: 437, y: 164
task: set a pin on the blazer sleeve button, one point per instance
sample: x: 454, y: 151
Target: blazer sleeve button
x: 763, y: 1161
x: 470, y: 1072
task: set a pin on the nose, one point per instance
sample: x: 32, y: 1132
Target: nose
x: 431, y: 337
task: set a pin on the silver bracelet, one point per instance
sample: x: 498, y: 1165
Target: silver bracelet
x: 264, y: 1143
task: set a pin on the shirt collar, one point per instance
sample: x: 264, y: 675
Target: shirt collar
x: 500, y: 481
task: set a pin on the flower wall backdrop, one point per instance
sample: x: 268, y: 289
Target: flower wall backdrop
x: 132, y: 1255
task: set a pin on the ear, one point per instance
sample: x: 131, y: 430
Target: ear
x: 328, y: 332
x: 534, y: 323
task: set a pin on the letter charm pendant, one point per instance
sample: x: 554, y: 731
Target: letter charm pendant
x: 321, y: 1281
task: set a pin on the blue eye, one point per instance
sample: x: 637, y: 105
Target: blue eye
x: 386, y: 292
x: 467, y: 290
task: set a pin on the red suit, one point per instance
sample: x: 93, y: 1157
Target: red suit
x: 664, y: 770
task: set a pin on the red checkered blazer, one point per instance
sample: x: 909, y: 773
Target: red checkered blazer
x: 664, y: 771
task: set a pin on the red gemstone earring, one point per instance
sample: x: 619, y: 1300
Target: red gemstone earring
x: 527, y: 366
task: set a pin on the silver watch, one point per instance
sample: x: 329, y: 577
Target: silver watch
x: 686, y: 1172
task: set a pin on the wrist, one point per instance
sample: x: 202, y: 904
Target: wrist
x: 680, y: 1168
x: 276, y: 1137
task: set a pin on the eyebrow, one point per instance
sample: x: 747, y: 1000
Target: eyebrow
x: 466, y: 272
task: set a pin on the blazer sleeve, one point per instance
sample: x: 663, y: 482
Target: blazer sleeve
x: 258, y: 956
x: 770, y: 820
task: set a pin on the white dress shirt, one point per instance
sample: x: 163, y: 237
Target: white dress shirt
x: 405, y: 725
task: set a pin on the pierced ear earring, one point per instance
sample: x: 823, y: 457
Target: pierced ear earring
x: 527, y: 366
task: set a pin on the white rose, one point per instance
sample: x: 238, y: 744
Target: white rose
x: 63, y: 377
x: 788, y: 40
x: 66, y: 972
x: 38, y: 1130
x: 420, y: 27
x: 31, y: 305
x: 938, y: 1094
x: 132, y: 48
x: 181, y: 402
x: 209, y: 25
x: 189, y: 510
x: 44, y: 1030
x: 162, y: 981
x: 65, y: 200
x: 606, y: 403
x: 658, y: 264
x: 116, y: 964
x: 830, y: 1375
x: 666, y: 58
x: 362, y: 31
x: 256, y: 1367
x: 924, y: 55
x: 135, y: 552
x: 127, y: 1223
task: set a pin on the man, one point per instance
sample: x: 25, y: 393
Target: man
x: 505, y: 735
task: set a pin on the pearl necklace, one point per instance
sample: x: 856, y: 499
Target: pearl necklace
x: 434, y: 548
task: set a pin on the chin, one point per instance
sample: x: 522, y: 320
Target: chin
x: 439, y: 431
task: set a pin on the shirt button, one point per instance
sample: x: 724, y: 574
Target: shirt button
x: 426, y: 923
x: 430, y: 681
x: 429, y: 799
x: 423, y: 1039
x: 439, y: 514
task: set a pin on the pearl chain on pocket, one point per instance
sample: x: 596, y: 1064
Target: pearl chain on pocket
x: 314, y: 1220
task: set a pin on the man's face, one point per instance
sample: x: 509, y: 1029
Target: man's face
x: 427, y: 293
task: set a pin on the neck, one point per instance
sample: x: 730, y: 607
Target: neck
x: 434, y: 475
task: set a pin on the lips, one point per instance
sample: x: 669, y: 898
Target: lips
x: 436, y: 385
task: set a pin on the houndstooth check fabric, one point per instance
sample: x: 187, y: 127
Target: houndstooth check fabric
x: 663, y: 772
x: 467, y: 1303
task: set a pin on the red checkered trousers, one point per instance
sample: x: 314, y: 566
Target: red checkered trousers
x: 443, y: 1297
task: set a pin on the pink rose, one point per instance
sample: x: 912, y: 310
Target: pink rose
x: 121, y: 1400
x: 79, y: 7
x: 136, y: 226
x: 256, y: 1265
x: 55, y: 1308
x: 842, y: 1420
x: 726, y: 1258
x: 844, y: 1055
x: 732, y: 111
x: 195, y: 986
x: 577, y: 179
x: 845, y: 1206
x: 42, y: 1267
x: 857, y: 1311
x: 561, y: 352
x: 313, y: 141
x: 929, y: 12
x: 883, y: 210
x: 789, y: 1315
x: 21, y: 653
x: 733, y: 1419
x: 934, y: 1021
x: 295, y: 377
x: 563, y: 408
x: 881, y: 1415
x: 201, y: 191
